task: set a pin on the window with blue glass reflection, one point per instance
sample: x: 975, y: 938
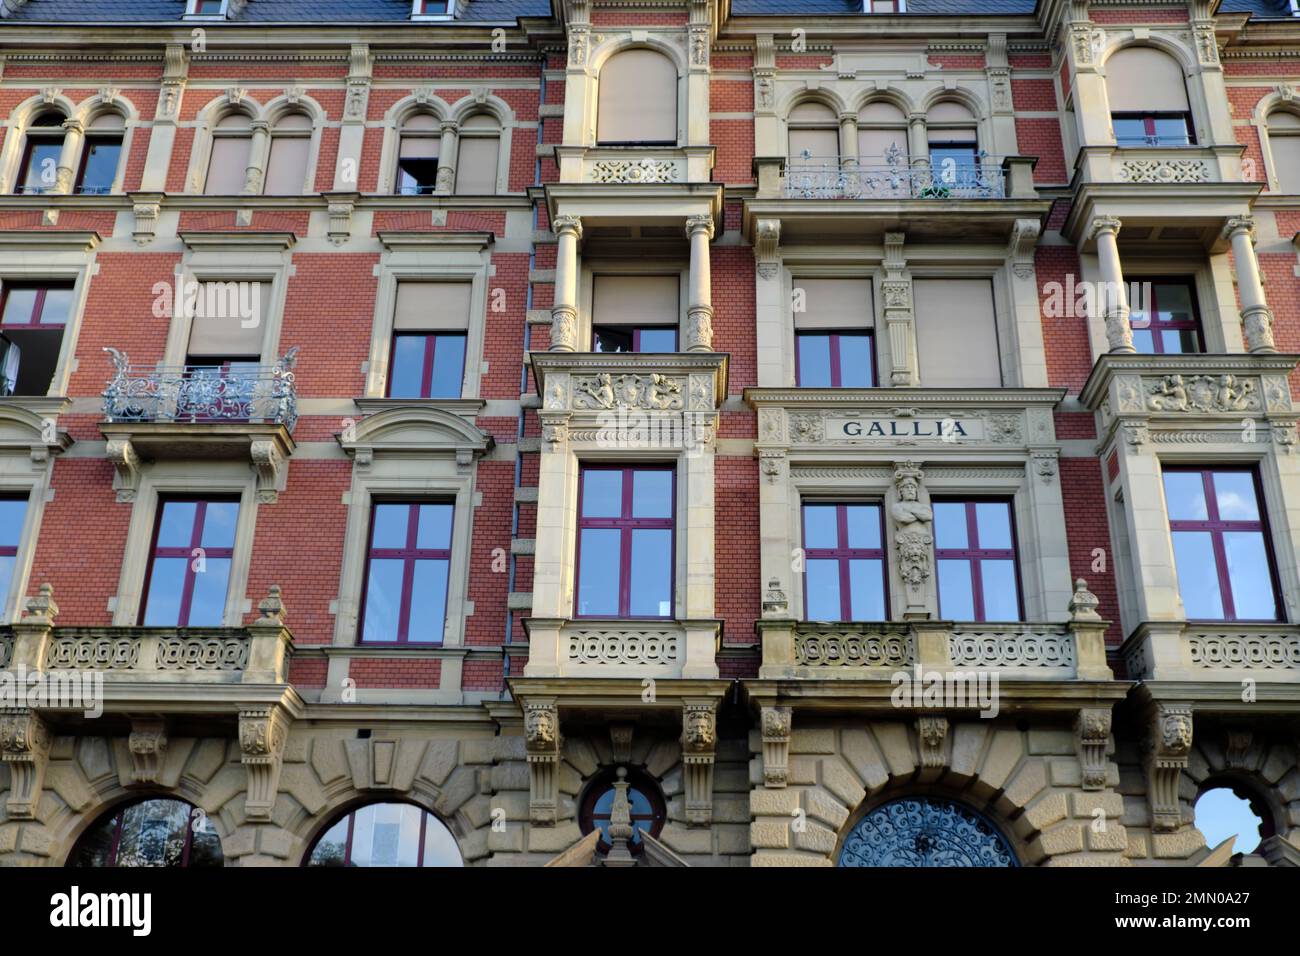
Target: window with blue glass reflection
x: 407, y: 569
x: 645, y: 801
x: 427, y: 365
x: 189, y: 568
x: 834, y: 360
x: 975, y: 560
x: 625, y: 542
x: 844, y: 569
x: 13, y: 509
x: 388, y: 835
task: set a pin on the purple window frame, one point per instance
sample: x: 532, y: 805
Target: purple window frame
x: 430, y: 350
x: 1217, y: 527
x: 1156, y: 325
x: 408, y: 556
x: 636, y: 334
x: 626, y: 524
x: 842, y: 554
x: 38, y: 306
x: 187, y: 552
x: 977, y: 555
x: 37, y: 134
x: 837, y: 376
x: 100, y: 139
x: 1149, y: 125
x: 11, y: 551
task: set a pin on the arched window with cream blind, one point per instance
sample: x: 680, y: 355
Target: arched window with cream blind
x: 637, y: 100
x: 286, y: 169
x: 1148, y: 98
x: 1284, y: 144
x: 953, y: 135
x: 814, y: 135
x: 417, y: 156
x: 477, y: 156
x: 232, y: 138
x: 882, y: 135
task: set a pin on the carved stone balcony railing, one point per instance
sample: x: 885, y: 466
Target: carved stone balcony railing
x: 1227, y: 652
x: 1157, y: 165
x: 830, y: 178
x: 635, y: 165
x: 202, y: 394
x: 627, y: 648
x: 876, y: 651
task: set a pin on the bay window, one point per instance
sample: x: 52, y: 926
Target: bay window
x: 1167, y: 322
x: 189, y: 563
x: 975, y: 559
x: 833, y: 322
x: 844, y: 569
x: 626, y: 535
x: 407, y: 568
x: 1221, y: 551
x: 430, y: 326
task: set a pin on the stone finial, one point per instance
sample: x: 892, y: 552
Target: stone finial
x: 41, y: 609
x: 272, y: 607
x: 775, y: 603
x: 620, y: 824
x: 1083, y: 603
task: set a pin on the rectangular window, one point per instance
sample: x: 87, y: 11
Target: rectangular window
x: 844, y: 570
x: 32, y: 319
x: 208, y: 8
x: 834, y: 360
x: 975, y: 558
x: 12, y: 511
x: 625, y: 541
x: 1221, y: 551
x: 189, y: 563
x: 633, y: 338
x: 430, y: 325
x: 407, y: 567
x: 1168, y: 323
x: 99, y: 162
x: 1152, y: 129
x: 956, y: 333
x: 635, y: 313
x: 41, y: 162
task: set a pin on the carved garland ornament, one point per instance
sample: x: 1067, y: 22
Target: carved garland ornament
x: 1201, y: 393
x: 655, y: 391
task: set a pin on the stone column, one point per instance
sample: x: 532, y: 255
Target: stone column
x: 699, y: 309
x: 1114, y: 297
x: 770, y: 307
x: 848, y: 139
x: 73, y: 136
x: 258, y: 149
x: 564, y: 313
x: 1256, y: 316
x: 447, y: 151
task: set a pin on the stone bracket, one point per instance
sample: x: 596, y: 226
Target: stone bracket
x: 699, y: 749
x: 932, y: 732
x: 148, y: 747
x: 272, y: 469
x: 1169, y: 747
x: 1091, y: 738
x: 126, y: 468
x: 25, y: 748
x: 262, y: 735
x: 543, y: 742
x: 776, y: 746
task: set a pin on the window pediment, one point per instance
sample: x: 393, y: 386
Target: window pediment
x: 411, y: 430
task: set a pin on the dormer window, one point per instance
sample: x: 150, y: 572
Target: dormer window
x: 213, y: 9
x: 884, y: 6
x: 433, y: 9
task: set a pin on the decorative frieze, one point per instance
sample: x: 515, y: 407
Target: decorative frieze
x: 606, y: 391
x: 1012, y: 649
x: 1201, y: 393
x: 108, y: 653
x: 624, y: 647
x: 1163, y: 171
x: 884, y: 646
x: 634, y: 171
x: 202, y: 654
x: 1237, y: 651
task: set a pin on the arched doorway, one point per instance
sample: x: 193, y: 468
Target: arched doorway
x: 925, y: 831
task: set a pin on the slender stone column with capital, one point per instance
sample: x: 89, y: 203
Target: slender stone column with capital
x: 1256, y: 316
x: 699, y: 308
x: 848, y: 139
x: 258, y: 150
x: 447, y: 151
x: 1114, y: 297
x: 73, y: 136
x: 564, y: 313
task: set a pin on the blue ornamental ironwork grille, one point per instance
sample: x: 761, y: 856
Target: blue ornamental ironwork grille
x: 925, y: 832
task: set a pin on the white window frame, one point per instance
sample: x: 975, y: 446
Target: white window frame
x: 418, y: 14
x: 19, y: 475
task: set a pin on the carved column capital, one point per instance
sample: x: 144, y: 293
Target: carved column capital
x: 1238, y: 224
x: 25, y: 749
x: 699, y: 224
x: 262, y: 735
x: 1092, y: 739
x: 1104, y: 226
x: 775, y: 726
x: 567, y: 226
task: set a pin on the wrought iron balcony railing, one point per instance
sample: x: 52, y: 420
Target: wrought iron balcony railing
x: 810, y: 177
x: 202, y: 394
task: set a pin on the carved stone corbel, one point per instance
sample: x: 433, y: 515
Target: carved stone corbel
x: 146, y: 207
x: 341, y: 208
x: 148, y: 747
x: 1169, y: 747
x: 262, y: 734
x: 767, y: 239
x: 699, y: 744
x: 271, y: 470
x: 25, y: 748
x: 620, y: 741
x: 932, y: 731
x: 776, y: 746
x: 126, y: 468
x: 1091, y: 739
x: 542, y: 741
x: 1236, y: 750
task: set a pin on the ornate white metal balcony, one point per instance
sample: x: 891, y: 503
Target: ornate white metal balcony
x: 196, y: 394
x: 810, y: 177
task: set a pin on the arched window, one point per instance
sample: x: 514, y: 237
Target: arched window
x: 925, y: 831
x: 417, y: 156
x: 286, y: 169
x: 637, y: 102
x: 882, y: 135
x: 645, y: 805
x: 157, y: 832
x: 40, y: 164
x: 954, y: 143
x: 386, y: 834
x: 1226, y: 809
x: 814, y: 135
x: 476, y: 156
x: 1284, y: 143
x: 1148, y: 98
x: 232, y: 138
x: 100, y: 155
